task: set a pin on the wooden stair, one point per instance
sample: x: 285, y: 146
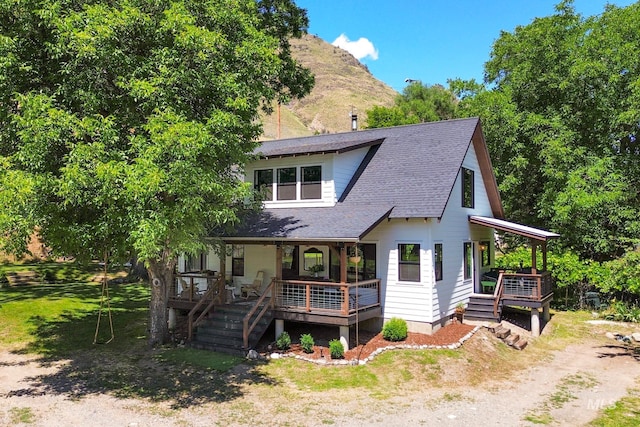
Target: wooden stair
x: 222, y: 330
x: 480, y: 307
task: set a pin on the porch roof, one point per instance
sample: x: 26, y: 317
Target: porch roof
x: 512, y: 227
x: 342, y: 222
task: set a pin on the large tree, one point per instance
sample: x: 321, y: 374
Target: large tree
x: 561, y: 114
x: 418, y: 103
x: 125, y: 125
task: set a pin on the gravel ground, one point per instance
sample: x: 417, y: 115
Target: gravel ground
x: 569, y: 387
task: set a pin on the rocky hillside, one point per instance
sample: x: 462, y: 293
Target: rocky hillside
x: 342, y: 83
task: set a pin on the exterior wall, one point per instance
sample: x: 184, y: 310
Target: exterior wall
x: 452, y: 231
x: 344, y: 167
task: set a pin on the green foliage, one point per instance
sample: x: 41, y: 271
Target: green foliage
x: 561, y: 121
x: 395, y: 329
x: 621, y: 311
x: 126, y: 125
x: 418, y: 103
x: 307, y: 343
x: 283, y: 342
x: 336, y: 349
x: 623, y: 274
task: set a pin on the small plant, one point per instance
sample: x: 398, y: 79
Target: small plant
x: 307, y: 343
x: 395, y: 329
x: 460, y: 307
x: 283, y: 342
x: 336, y: 349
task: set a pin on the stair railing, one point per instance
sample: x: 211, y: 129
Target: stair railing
x: 214, y: 296
x: 246, y: 328
x: 497, y: 295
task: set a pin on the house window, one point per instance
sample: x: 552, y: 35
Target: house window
x: 237, y: 260
x: 468, y: 259
x: 485, y: 253
x: 467, y: 188
x: 311, y: 187
x: 263, y: 182
x: 437, y: 257
x: 287, y: 181
x: 409, y: 262
x: 195, y: 262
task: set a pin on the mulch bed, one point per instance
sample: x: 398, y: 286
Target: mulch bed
x: 369, y: 341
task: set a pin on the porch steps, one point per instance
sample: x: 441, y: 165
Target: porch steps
x: 480, y: 307
x: 222, y: 330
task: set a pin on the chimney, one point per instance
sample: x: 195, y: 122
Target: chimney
x: 354, y: 118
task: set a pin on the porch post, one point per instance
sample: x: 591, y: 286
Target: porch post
x: 343, y: 264
x: 545, y: 313
x: 534, y: 246
x: 223, y: 262
x: 544, y: 256
x: 535, y: 322
x: 279, y: 262
x: 279, y: 327
x: 344, y: 337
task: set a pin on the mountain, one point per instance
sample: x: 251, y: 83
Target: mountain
x: 342, y: 84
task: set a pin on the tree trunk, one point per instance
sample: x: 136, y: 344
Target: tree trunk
x: 161, y: 277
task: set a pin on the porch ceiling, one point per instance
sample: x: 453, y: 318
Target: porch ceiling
x: 512, y: 227
x: 342, y: 222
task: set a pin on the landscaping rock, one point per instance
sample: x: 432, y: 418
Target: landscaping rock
x: 610, y: 336
x: 636, y: 336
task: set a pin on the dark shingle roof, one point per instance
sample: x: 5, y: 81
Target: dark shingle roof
x: 341, y: 222
x: 410, y: 174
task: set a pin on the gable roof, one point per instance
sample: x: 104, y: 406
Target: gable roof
x: 409, y: 172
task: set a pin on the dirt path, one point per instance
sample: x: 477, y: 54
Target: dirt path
x: 567, y: 389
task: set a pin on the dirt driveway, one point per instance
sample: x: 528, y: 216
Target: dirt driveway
x: 569, y: 387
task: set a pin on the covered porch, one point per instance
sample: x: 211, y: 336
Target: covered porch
x: 525, y: 287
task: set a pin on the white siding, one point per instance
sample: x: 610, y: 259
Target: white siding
x: 452, y: 231
x: 408, y: 300
x: 344, y: 166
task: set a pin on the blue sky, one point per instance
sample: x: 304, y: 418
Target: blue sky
x: 427, y: 40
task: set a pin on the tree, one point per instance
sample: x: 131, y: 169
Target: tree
x: 418, y: 103
x: 561, y: 115
x: 125, y: 125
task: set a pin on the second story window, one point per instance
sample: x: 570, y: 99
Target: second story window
x: 263, y: 182
x: 311, y: 185
x: 467, y: 188
x: 287, y: 181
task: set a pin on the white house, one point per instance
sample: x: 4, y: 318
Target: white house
x: 368, y: 225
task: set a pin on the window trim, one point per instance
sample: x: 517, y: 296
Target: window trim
x: 401, y: 263
x: 468, y: 187
x: 299, y: 183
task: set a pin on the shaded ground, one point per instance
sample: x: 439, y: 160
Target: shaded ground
x: 568, y: 387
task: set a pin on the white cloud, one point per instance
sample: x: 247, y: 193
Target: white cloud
x: 360, y: 48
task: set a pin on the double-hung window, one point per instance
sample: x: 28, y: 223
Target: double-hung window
x: 311, y: 185
x: 287, y: 182
x: 263, y: 182
x: 409, y: 262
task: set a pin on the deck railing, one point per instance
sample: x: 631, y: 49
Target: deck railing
x: 326, y: 297
x: 526, y: 285
x: 192, y: 286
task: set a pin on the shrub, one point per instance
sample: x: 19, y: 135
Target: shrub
x: 395, y: 329
x: 306, y: 342
x: 336, y: 349
x: 284, y: 341
x: 620, y: 311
